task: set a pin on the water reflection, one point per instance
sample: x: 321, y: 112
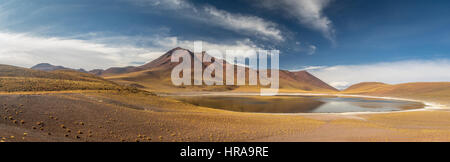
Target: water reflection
x: 298, y: 104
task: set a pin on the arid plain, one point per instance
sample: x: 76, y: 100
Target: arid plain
x: 130, y: 104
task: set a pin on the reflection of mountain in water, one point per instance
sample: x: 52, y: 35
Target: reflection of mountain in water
x: 256, y: 104
x: 297, y: 104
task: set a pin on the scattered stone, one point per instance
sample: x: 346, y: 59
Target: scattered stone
x: 40, y: 123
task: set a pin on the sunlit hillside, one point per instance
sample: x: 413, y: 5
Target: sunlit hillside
x: 431, y: 91
x: 13, y: 79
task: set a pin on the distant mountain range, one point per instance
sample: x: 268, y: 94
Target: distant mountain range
x: 50, y: 67
x: 14, y: 79
x: 114, y: 70
x: 156, y: 75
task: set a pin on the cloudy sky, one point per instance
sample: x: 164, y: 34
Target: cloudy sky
x: 341, y: 41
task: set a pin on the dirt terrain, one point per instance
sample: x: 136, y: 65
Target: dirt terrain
x: 116, y: 116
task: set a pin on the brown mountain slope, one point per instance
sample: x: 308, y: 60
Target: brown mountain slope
x: 162, y: 61
x: 365, y: 87
x: 50, y: 67
x: 155, y: 76
x: 309, y: 80
x: 114, y: 71
x: 430, y: 91
x: 14, y: 79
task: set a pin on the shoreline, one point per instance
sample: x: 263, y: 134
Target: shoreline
x: 428, y: 105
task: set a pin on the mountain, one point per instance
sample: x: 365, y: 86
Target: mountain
x: 14, y: 79
x: 164, y: 60
x: 156, y: 76
x: 161, y: 62
x: 114, y: 71
x: 97, y: 72
x: 309, y: 81
x: 50, y: 67
x: 430, y: 91
x: 365, y: 87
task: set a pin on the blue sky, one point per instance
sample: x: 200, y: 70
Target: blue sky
x: 319, y: 35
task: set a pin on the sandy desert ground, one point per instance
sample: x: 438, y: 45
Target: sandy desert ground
x: 117, y: 116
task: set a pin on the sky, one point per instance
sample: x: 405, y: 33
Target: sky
x: 342, y: 42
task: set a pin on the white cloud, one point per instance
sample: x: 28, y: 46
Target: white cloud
x: 238, y: 45
x: 307, y: 12
x: 312, y: 49
x: 308, y: 68
x: 388, y: 72
x: 170, y: 4
x: 27, y: 50
x: 242, y: 24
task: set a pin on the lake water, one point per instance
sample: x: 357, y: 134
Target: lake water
x: 298, y: 104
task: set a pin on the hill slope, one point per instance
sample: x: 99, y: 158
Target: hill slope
x: 50, y: 67
x: 114, y: 71
x: 155, y: 76
x: 365, y: 87
x: 14, y: 79
x: 430, y: 91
